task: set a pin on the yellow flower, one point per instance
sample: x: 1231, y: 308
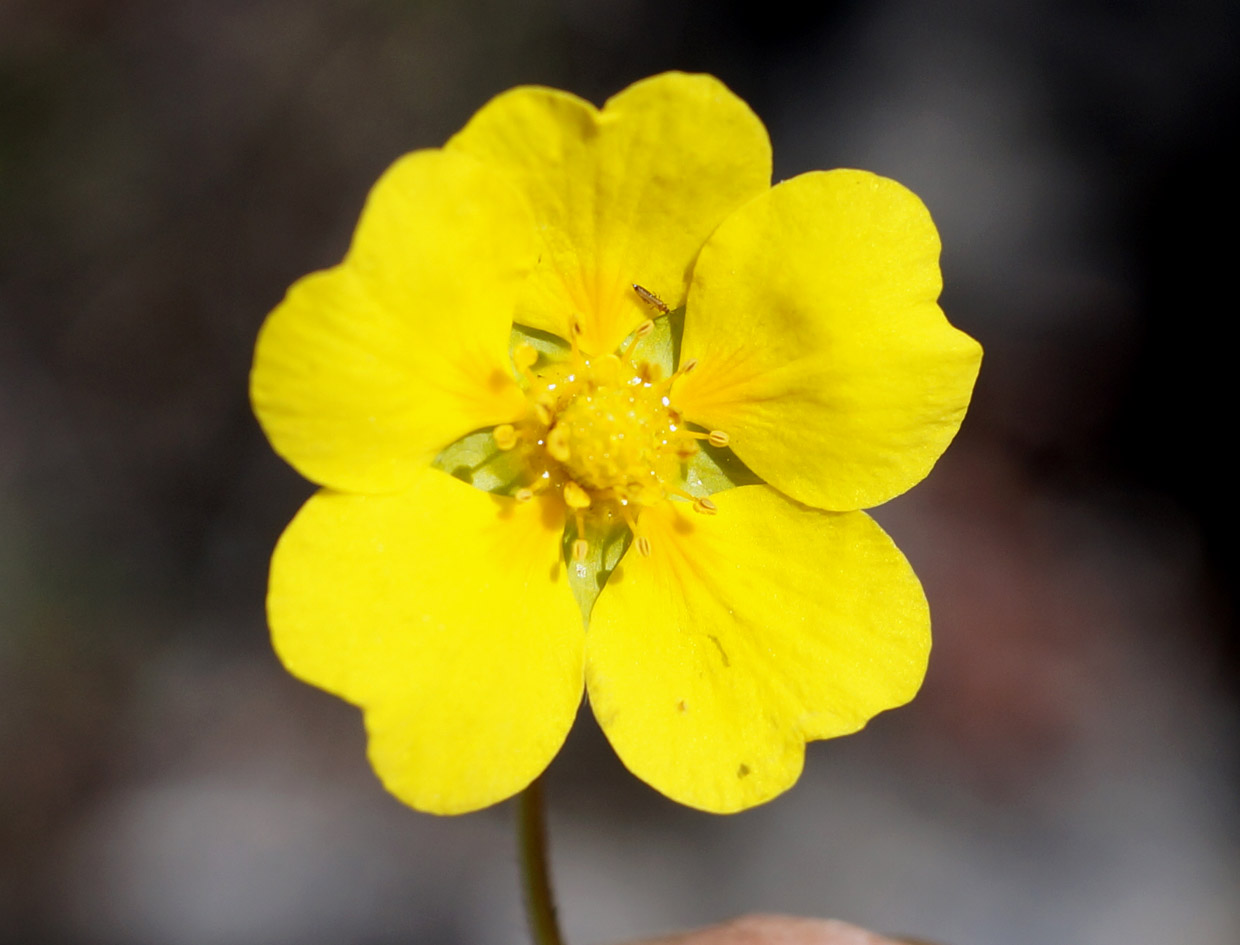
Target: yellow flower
x: 740, y: 622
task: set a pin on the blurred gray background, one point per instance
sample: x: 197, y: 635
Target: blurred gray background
x: 1068, y: 775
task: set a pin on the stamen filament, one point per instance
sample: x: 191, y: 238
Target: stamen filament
x: 575, y: 331
x: 680, y: 372
x: 714, y: 437
x: 640, y: 332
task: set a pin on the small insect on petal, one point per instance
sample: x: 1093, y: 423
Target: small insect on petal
x: 651, y: 299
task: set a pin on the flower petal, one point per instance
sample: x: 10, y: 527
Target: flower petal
x: 365, y: 371
x: 445, y: 613
x: 623, y: 195
x: 821, y: 350
x: 743, y: 635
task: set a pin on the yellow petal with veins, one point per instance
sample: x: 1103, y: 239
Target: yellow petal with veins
x: 743, y: 635
x: 445, y: 613
x: 366, y: 371
x: 821, y: 349
x: 623, y: 195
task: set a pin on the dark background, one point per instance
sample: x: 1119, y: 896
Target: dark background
x: 168, y: 167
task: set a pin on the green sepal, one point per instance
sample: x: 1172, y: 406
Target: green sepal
x: 607, y: 541
x: 475, y: 459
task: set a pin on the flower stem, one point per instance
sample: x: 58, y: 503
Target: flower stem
x: 532, y: 840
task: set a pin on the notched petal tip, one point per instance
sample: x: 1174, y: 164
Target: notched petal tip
x: 627, y: 193
x: 365, y: 371
x: 444, y: 613
x: 813, y: 314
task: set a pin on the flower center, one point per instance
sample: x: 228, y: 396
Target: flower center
x: 615, y: 432
x: 604, y: 433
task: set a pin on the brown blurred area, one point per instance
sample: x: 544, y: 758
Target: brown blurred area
x: 1068, y: 772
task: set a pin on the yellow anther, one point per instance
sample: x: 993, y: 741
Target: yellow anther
x: 505, y: 436
x: 523, y: 356
x: 679, y: 372
x: 714, y: 437
x: 575, y: 330
x: 581, y: 548
x: 644, y: 493
x: 641, y: 331
x: 648, y: 372
x: 643, y: 546
x: 705, y: 506
x: 575, y: 496
x: 557, y: 443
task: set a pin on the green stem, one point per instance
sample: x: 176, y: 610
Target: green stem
x: 532, y: 840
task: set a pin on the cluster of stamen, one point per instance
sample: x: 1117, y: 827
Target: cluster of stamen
x: 602, y: 432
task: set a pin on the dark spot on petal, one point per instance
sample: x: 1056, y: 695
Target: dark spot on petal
x: 742, y: 771
x: 722, y: 653
x: 681, y: 707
